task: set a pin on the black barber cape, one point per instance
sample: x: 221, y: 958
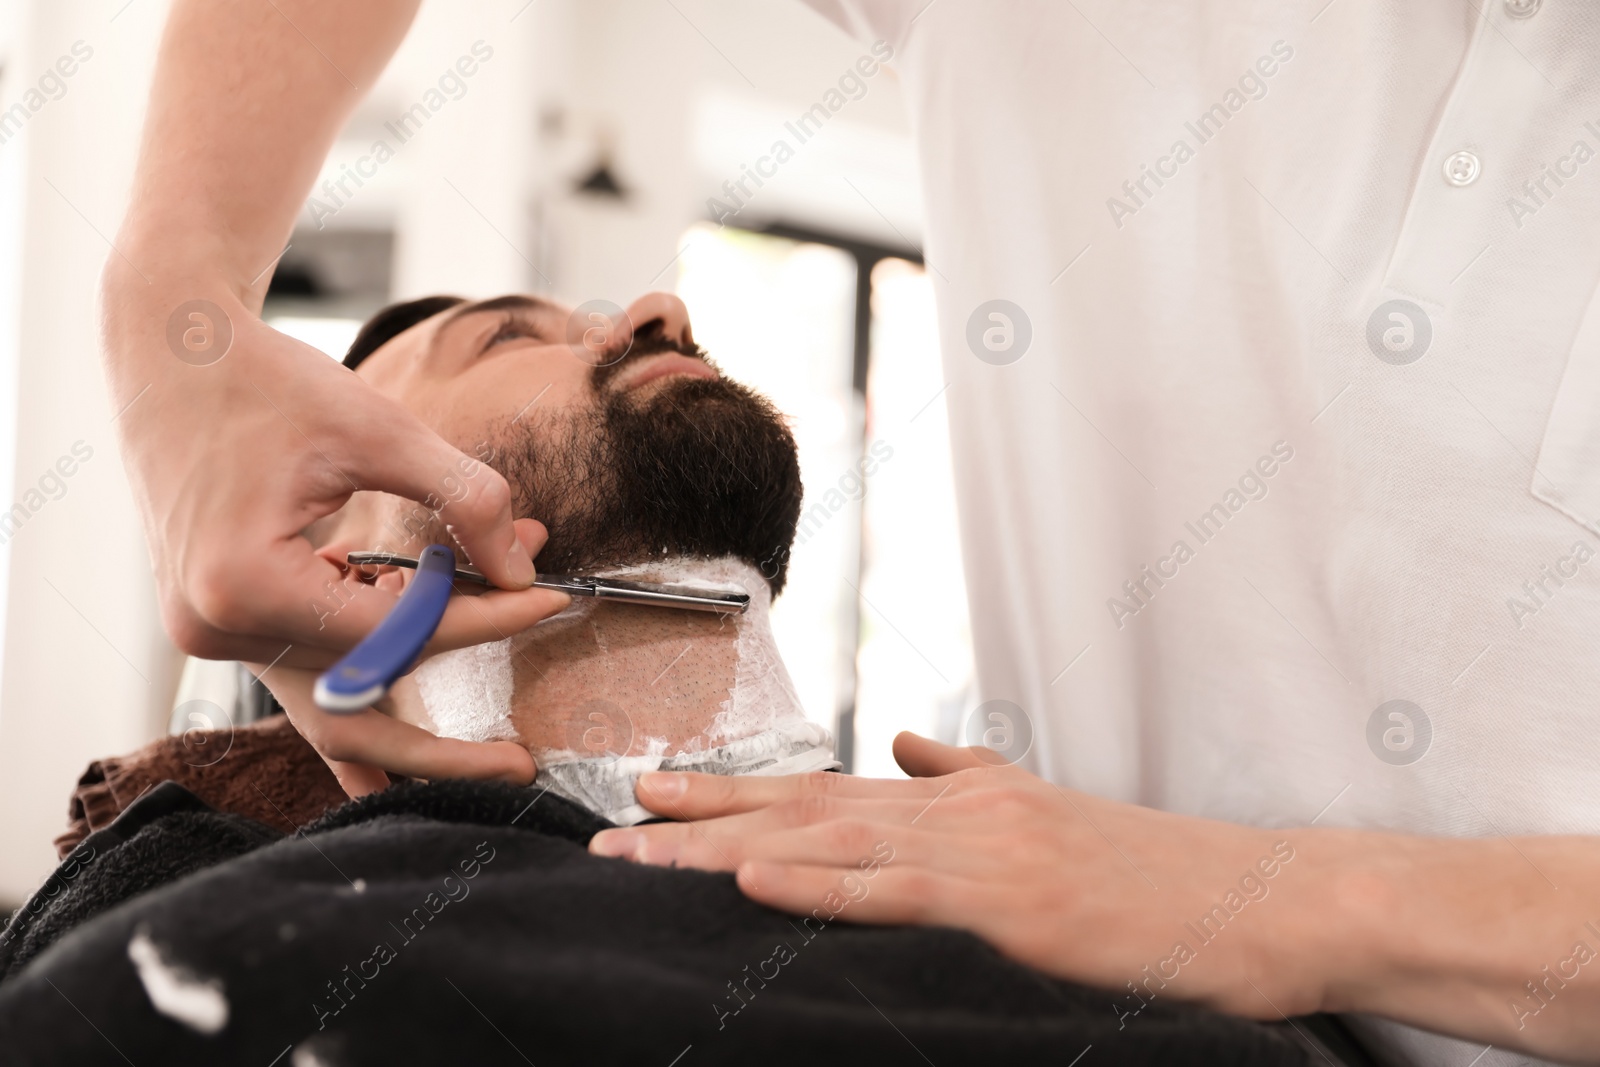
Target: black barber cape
x: 465, y: 923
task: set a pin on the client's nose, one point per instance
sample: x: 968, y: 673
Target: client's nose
x: 665, y: 309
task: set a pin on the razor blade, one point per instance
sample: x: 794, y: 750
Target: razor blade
x: 650, y: 594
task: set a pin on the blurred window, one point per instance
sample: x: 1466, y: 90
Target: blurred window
x: 841, y: 335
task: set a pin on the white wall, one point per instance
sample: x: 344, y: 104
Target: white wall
x: 695, y: 88
x: 87, y: 670
x: 687, y: 90
x: 482, y: 198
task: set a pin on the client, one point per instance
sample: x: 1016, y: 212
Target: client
x: 643, y: 462
x: 466, y: 922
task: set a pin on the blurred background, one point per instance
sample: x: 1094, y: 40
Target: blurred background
x: 601, y: 149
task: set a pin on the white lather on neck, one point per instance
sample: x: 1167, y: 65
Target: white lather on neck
x: 760, y: 728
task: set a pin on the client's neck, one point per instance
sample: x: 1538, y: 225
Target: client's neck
x: 614, y: 679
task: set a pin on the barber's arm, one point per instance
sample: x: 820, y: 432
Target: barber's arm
x: 1497, y: 940
x: 232, y: 457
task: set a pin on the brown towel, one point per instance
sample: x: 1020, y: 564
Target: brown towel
x: 265, y: 771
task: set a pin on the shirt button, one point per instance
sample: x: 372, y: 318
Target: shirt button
x: 1522, y: 9
x: 1462, y: 168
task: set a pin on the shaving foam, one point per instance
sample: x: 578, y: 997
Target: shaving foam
x: 468, y: 692
x: 762, y: 694
x: 605, y: 785
x: 760, y: 729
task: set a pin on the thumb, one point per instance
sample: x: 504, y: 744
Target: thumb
x: 405, y: 457
x: 922, y: 757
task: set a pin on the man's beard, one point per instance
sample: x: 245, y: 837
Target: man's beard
x: 700, y: 467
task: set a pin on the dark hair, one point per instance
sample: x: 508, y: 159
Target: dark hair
x: 392, y: 321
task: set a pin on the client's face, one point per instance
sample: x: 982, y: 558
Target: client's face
x: 627, y: 448
x: 637, y: 455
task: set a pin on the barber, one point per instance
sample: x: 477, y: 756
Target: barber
x: 231, y: 461
x: 1269, y: 378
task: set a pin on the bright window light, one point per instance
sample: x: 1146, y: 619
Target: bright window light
x: 874, y: 616
x: 914, y: 670
x: 332, y: 336
x: 778, y: 315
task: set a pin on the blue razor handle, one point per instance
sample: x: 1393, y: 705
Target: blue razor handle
x: 368, y: 670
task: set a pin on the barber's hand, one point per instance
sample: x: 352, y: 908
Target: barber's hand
x: 364, y: 748
x: 231, y: 459
x: 1082, y: 888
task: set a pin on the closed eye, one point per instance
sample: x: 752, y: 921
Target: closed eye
x: 515, y: 324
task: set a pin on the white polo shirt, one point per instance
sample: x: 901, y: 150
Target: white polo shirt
x: 1279, y: 464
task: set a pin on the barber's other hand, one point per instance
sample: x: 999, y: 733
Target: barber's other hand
x: 1083, y: 888
x: 232, y: 454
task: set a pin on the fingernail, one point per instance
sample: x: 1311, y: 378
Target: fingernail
x: 757, y: 875
x: 519, y: 564
x: 618, y: 843
x: 665, y: 784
